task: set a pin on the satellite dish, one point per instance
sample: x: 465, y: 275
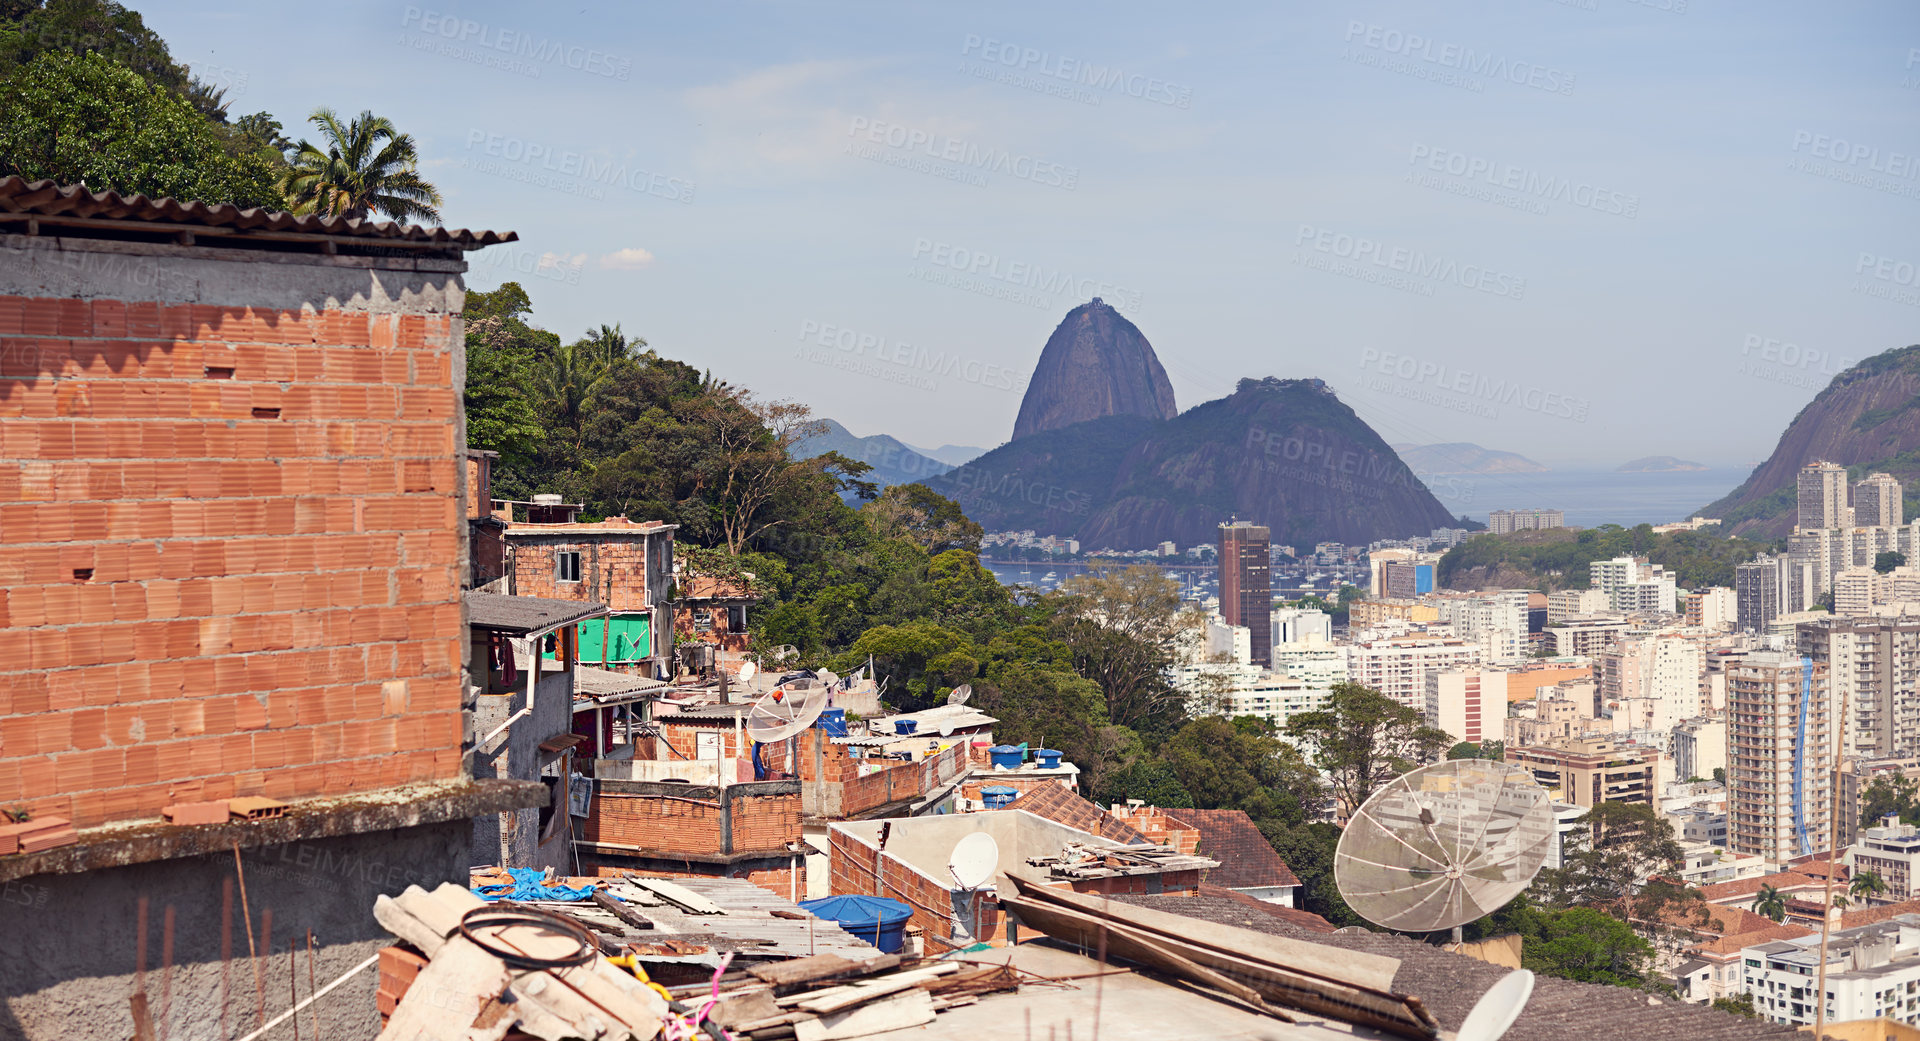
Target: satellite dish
x: 974, y: 860
x: 1498, y: 1008
x: 1444, y: 845
x: 946, y: 728
x: 785, y: 651
x: 960, y: 694
x: 828, y: 678
x: 786, y: 711
x: 747, y: 671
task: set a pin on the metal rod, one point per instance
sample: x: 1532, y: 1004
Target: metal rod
x: 311, y: 998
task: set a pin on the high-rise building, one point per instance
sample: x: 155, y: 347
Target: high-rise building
x: 1501, y: 522
x: 1823, y: 496
x: 1877, y: 502
x: 1632, y: 584
x: 1397, y: 666
x: 1246, y: 584
x: 1593, y: 769
x: 1779, y: 755
x: 1855, y: 591
x: 1873, y: 675
x: 1769, y: 586
x: 1470, y: 704
x: 1651, y: 679
x: 1298, y: 624
x: 1699, y: 748
x: 1563, y: 604
x: 1496, y: 620
x: 1715, y: 608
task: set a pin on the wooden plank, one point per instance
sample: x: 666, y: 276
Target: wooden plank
x: 819, y: 967
x: 907, y: 1009
x: 736, y: 1009
x: 868, y: 990
x: 621, y: 911
x: 678, y: 894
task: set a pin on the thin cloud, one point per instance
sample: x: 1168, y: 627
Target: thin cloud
x: 632, y: 258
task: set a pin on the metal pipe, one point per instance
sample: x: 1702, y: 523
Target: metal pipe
x: 510, y: 721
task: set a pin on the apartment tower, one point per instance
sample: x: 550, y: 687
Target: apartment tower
x: 1246, y: 584
x: 1779, y: 755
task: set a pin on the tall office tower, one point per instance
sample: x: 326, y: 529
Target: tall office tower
x: 1246, y: 584
x: 1779, y: 756
x: 1823, y: 496
x: 1877, y: 503
x: 1873, y: 673
x: 1771, y: 585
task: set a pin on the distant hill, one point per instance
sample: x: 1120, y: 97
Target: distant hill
x: 1655, y: 464
x: 893, y: 462
x: 1461, y: 457
x: 1095, y: 364
x: 952, y: 455
x: 1284, y: 453
x: 1867, y: 418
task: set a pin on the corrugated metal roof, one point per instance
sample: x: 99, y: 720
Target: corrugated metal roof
x: 47, y: 203
x: 525, y: 614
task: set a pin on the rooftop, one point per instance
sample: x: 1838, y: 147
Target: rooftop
x: 1247, y: 859
x: 526, y: 615
x: 39, y: 206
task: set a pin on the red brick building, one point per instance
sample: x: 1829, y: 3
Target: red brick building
x: 231, y: 556
x: 626, y: 565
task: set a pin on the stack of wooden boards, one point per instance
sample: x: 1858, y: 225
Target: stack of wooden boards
x: 39, y: 833
x: 827, y: 997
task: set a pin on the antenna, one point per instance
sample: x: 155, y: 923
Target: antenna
x: 787, y: 711
x: 960, y: 694
x: 972, y: 864
x: 1444, y: 845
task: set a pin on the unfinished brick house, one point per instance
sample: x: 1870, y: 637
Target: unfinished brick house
x: 713, y: 611
x: 626, y: 565
x: 231, y: 555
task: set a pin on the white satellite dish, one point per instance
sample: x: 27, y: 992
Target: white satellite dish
x: 946, y: 728
x: 974, y: 860
x: 1496, y: 1010
x: 960, y: 694
x: 1444, y: 845
x: 828, y: 679
x: 786, y: 711
x: 747, y: 671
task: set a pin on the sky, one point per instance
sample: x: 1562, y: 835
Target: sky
x: 1582, y: 230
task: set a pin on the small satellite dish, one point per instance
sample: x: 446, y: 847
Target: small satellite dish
x: 747, y: 671
x: 786, y: 711
x: 1496, y: 1010
x: 828, y: 678
x: 960, y: 694
x: 1444, y: 845
x: 974, y: 860
x: 785, y: 651
x: 946, y: 728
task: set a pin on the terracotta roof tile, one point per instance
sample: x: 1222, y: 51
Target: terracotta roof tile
x: 1057, y: 804
x: 65, y: 205
x: 1785, y: 880
x: 1735, y: 942
x: 1246, y: 858
x: 1870, y: 915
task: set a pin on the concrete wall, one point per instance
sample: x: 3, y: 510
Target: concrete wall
x: 230, y: 535
x: 516, y: 754
x: 70, y: 954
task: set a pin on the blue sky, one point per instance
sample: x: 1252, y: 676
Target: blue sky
x: 1585, y: 231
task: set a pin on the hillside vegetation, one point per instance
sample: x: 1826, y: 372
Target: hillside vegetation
x: 1557, y: 558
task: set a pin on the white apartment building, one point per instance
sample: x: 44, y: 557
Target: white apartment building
x: 1470, y: 704
x: 1779, y: 756
x: 1316, y: 660
x: 1497, y: 621
x: 1234, y: 643
x: 1855, y: 591
x: 1586, y: 637
x: 1298, y: 624
x: 1716, y: 608
x: 1651, y: 679
x: 1563, y: 604
x: 1699, y: 748
x: 1243, y: 689
x: 1877, y: 502
x: 1397, y: 666
x: 1891, y: 851
x: 1873, y: 971
x: 1632, y: 584
x: 1822, y: 495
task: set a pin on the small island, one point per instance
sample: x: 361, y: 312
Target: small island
x: 1461, y: 457
x: 1656, y: 464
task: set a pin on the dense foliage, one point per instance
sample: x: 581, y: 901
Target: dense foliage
x: 1557, y: 558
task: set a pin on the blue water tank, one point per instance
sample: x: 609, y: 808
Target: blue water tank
x: 1047, y: 758
x: 834, y: 722
x: 875, y: 919
x: 905, y: 726
x: 998, y: 795
x: 1007, y: 756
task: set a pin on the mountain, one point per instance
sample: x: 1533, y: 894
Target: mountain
x: 1658, y: 464
x: 1284, y: 453
x: 952, y: 455
x: 1095, y: 364
x: 1460, y: 457
x: 1867, y: 418
x: 893, y: 462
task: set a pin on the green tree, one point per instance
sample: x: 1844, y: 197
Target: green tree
x: 1148, y: 779
x: 1603, y: 861
x: 87, y: 119
x: 1363, y: 739
x: 1122, y: 629
x: 1591, y: 947
x: 1770, y: 903
x: 930, y: 520
x: 1240, y: 764
x: 1739, y: 1005
x: 1886, y: 560
x: 360, y: 168
x: 1308, y: 851
x: 1891, y: 794
x: 1866, y: 885
x: 1493, y: 750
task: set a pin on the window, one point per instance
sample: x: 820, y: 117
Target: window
x: 567, y: 566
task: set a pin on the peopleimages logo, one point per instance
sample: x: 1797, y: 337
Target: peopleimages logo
x: 1853, y: 153
x: 1456, y: 58
x: 582, y: 173
x: 922, y: 362
x: 1053, y: 281
x: 1066, y: 70
x: 1478, y: 389
x: 965, y: 158
x: 1526, y: 185
x: 1409, y: 264
x: 1899, y: 280
x: 490, y: 42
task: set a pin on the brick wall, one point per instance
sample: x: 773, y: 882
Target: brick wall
x: 1157, y: 825
x: 854, y: 864
x: 613, y: 564
x: 698, y: 819
x: 229, y: 553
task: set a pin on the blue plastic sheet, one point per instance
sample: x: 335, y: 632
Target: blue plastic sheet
x: 529, y: 884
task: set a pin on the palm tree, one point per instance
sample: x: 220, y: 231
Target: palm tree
x: 567, y: 380
x: 367, y: 166
x: 1866, y: 884
x: 1768, y: 903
